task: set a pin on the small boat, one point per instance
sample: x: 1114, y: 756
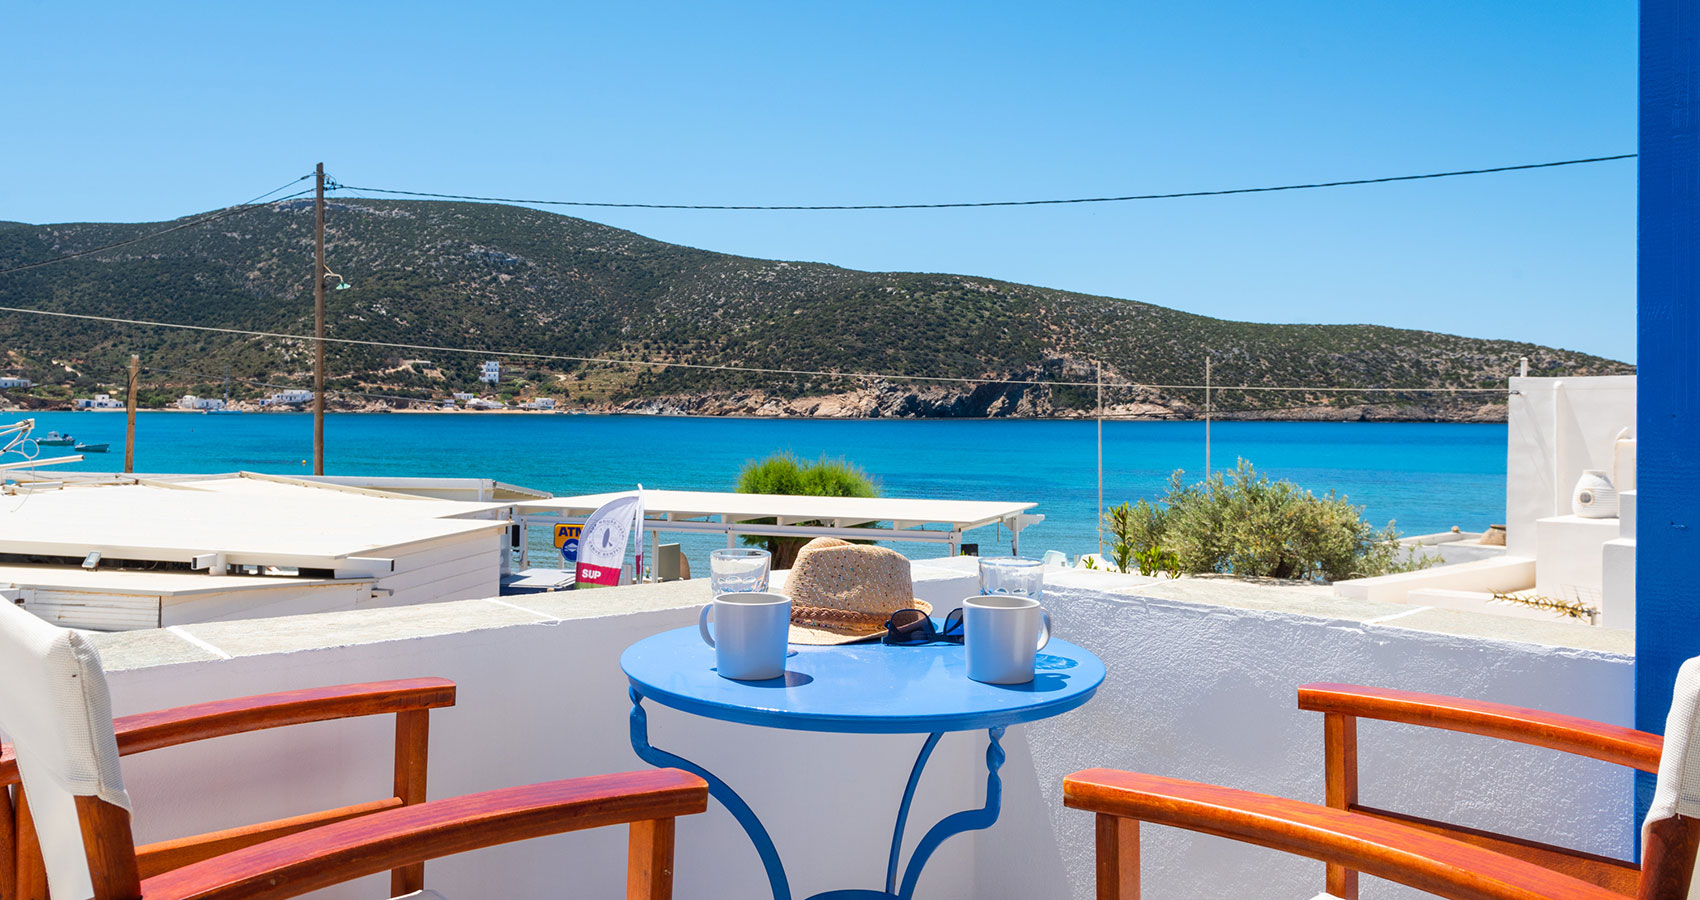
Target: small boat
x: 92, y: 448
x: 55, y: 439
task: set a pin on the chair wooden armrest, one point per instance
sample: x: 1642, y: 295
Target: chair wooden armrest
x: 1343, y: 704
x: 218, y: 718
x: 409, y: 700
x: 1420, y: 859
x: 293, y: 865
x: 1583, y: 737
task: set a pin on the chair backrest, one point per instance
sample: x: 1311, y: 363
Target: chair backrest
x: 670, y: 563
x: 55, y: 710
x: 1671, y: 832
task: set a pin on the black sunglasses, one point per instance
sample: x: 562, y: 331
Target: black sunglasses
x: 912, y: 628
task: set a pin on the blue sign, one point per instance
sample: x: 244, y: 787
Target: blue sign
x: 566, y: 538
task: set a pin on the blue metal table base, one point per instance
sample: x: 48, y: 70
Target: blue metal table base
x: 948, y: 827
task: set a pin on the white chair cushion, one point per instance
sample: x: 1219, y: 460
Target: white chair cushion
x: 1678, y: 790
x: 55, y: 710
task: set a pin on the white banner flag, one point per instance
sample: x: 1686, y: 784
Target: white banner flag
x: 602, y: 544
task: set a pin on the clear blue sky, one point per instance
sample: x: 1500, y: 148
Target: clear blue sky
x: 129, y: 112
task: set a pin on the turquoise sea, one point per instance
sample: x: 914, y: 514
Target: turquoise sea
x: 1428, y: 477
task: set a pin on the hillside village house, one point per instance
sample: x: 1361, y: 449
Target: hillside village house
x: 98, y: 401
x: 190, y: 401
x: 288, y: 398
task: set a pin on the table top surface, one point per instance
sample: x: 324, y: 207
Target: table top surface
x: 867, y: 688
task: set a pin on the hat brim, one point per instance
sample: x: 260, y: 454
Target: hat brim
x: 814, y: 635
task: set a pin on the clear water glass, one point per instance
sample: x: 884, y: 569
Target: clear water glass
x: 1015, y: 575
x: 738, y: 571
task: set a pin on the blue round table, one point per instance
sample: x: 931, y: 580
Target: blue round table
x: 867, y: 688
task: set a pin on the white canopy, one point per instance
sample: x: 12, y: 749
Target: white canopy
x: 879, y: 518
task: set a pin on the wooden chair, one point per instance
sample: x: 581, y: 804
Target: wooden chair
x: 65, y: 817
x: 1447, y: 860
x: 410, y: 700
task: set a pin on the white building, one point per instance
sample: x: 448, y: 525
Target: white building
x: 465, y: 397
x: 190, y: 401
x: 98, y: 401
x: 13, y: 381
x: 1558, y: 429
x: 492, y: 372
x: 288, y: 398
x: 539, y: 403
x: 481, y: 403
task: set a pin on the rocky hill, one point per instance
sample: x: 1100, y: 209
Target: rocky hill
x: 508, y: 281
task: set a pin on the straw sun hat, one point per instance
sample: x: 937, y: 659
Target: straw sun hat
x: 843, y: 592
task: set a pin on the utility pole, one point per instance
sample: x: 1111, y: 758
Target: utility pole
x: 130, y: 418
x: 318, y: 320
x: 1100, y: 365
x: 1206, y: 415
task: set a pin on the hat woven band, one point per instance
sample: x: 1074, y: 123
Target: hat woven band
x: 827, y: 615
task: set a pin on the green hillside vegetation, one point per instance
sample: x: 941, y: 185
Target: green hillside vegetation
x: 502, y: 278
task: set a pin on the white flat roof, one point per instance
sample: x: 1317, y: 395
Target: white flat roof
x: 250, y: 520
x: 840, y: 512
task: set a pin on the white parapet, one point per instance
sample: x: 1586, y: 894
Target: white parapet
x: 1617, y: 590
x: 1507, y: 573
x: 1478, y: 602
x: 1567, y: 561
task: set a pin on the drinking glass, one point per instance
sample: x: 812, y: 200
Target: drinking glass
x: 1014, y: 575
x: 737, y: 571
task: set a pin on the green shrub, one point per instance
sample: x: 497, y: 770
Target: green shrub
x: 784, y: 473
x: 1245, y: 524
x: 1118, y: 522
x: 1135, y: 532
x: 1153, y: 560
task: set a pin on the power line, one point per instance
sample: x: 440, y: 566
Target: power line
x: 755, y: 370
x: 226, y: 211
x: 1171, y: 196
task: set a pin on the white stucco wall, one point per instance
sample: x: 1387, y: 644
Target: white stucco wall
x: 1557, y: 428
x: 1208, y: 694
x: 1195, y: 690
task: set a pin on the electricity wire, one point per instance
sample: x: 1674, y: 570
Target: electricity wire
x: 981, y: 204
x: 211, y: 217
x: 332, y: 184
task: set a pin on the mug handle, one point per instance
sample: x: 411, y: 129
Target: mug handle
x: 702, y: 625
x: 1044, y: 632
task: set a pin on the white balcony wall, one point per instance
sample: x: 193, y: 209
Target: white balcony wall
x: 1200, y: 690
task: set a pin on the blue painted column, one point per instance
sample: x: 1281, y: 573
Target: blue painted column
x: 1667, y: 604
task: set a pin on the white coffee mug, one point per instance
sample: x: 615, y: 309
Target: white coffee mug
x: 750, y: 633
x: 1001, y: 634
